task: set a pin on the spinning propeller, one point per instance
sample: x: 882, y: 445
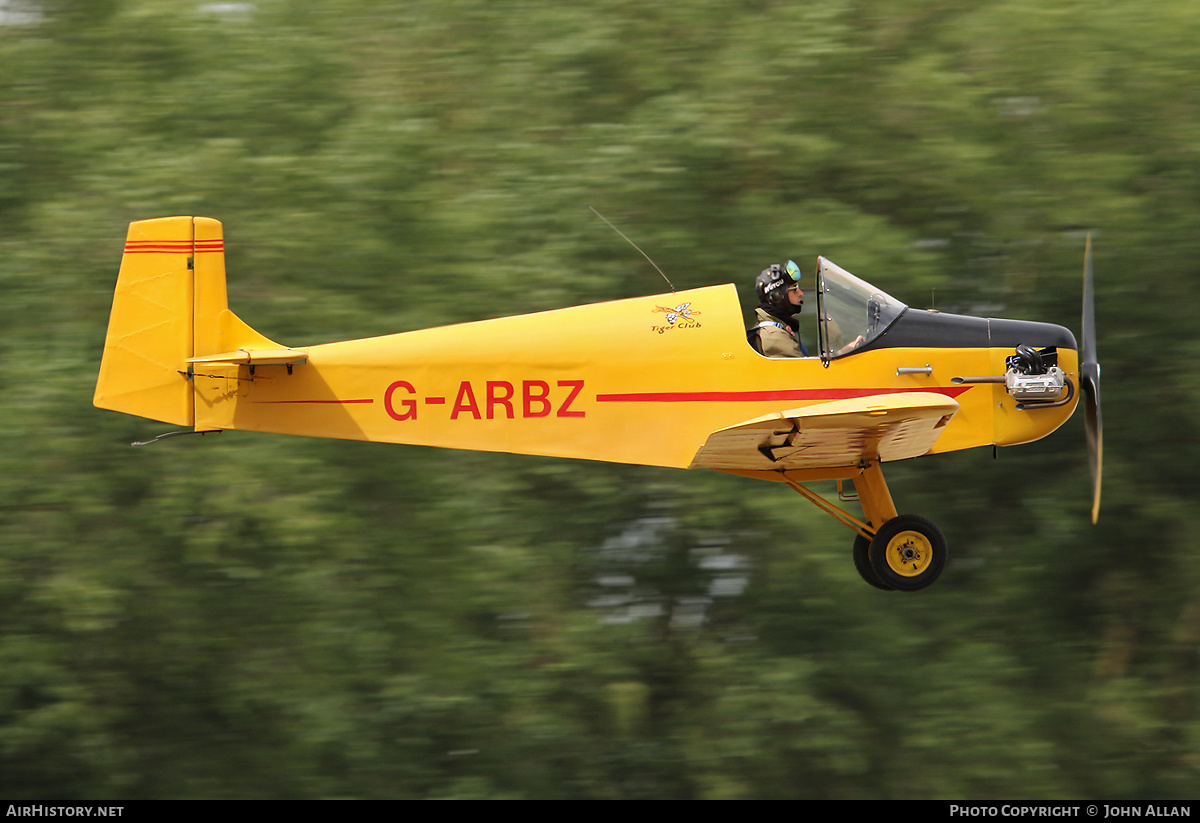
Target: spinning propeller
x: 1089, y: 379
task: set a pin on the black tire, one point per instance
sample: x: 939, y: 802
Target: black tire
x: 908, y: 553
x: 862, y: 562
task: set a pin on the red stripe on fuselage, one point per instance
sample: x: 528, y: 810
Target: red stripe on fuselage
x: 762, y: 396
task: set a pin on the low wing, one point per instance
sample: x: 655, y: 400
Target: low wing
x: 830, y: 435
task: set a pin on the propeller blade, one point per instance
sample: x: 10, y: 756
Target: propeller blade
x: 1089, y: 379
x: 1087, y: 353
x: 1095, y: 435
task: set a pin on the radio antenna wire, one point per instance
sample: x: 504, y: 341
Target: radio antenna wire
x: 635, y: 245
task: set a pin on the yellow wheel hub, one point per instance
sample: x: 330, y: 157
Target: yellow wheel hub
x: 909, y: 553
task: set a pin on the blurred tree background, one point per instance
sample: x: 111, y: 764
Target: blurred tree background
x: 265, y: 616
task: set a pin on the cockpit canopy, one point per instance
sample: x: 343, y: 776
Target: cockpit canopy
x: 851, y: 312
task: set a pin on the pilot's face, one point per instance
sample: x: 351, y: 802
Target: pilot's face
x: 796, y: 295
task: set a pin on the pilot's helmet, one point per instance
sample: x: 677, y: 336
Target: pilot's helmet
x: 771, y: 288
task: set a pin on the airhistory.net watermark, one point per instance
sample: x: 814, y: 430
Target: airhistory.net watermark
x: 42, y: 810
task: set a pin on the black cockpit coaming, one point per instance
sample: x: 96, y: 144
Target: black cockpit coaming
x: 915, y: 328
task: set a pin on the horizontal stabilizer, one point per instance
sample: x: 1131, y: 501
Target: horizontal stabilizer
x: 255, y: 357
x: 829, y: 435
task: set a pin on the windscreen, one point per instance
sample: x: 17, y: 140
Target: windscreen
x: 852, y: 311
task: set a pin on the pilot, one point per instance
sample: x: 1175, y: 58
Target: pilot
x: 780, y: 298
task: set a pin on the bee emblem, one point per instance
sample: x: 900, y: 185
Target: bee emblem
x: 682, y: 316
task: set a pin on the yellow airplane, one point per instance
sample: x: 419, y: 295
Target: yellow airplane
x: 664, y: 380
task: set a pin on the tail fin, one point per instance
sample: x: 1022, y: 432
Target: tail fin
x: 169, y: 308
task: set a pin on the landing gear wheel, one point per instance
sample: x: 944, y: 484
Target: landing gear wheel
x: 862, y: 562
x: 908, y: 553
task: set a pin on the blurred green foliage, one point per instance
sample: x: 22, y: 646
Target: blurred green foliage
x: 253, y: 616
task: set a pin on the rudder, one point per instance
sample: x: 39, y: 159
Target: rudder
x: 149, y: 336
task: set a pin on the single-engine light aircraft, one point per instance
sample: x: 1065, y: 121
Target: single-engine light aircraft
x: 664, y: 380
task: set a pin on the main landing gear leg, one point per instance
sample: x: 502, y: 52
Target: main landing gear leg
x: 892, y: 551
x: 877, y: 508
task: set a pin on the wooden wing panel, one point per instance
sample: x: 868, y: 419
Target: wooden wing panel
x: 829, y: 435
